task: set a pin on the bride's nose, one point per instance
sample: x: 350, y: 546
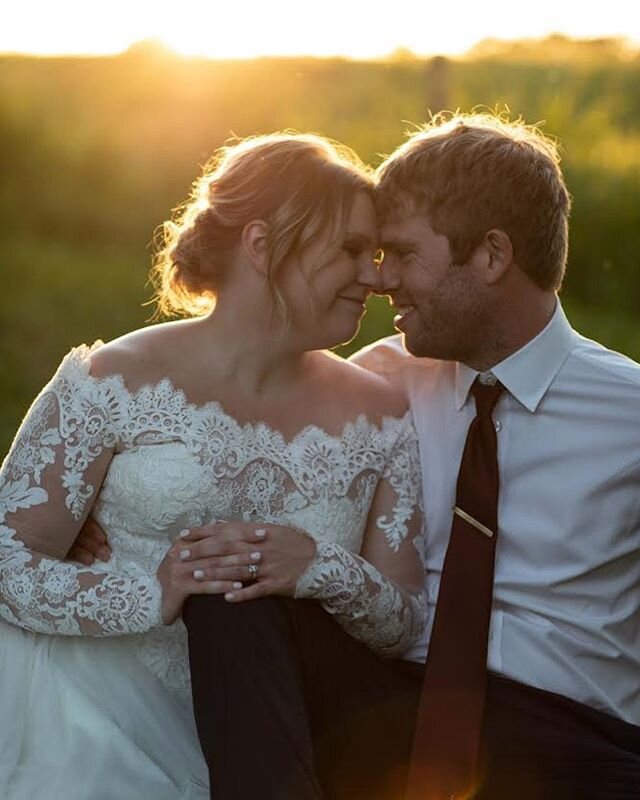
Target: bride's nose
x: 388, y: 274
x: 369, y: 275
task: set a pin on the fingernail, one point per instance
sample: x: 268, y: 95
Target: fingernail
x: 184, y: 533
x: 105, y: 554
x: 184, y: 554
x: 255, y: 556
x: 261, y: 533
x: 198, y: 573
x: 237, y: 585
x: 229, y: 596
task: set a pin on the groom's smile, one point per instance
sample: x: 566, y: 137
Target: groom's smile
x: 432, y: 296
x: 404, y: 311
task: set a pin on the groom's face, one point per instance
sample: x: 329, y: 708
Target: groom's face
x: 439, y: 303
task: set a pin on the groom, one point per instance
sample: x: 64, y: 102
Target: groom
x: 475, y: 215
x: 530, y: 454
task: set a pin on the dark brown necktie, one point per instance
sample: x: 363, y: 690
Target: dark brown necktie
x: 447, y: 738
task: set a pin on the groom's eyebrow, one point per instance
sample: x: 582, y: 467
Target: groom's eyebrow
x: 392, y: 243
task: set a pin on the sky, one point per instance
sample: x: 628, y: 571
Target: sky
x: 293, y: 27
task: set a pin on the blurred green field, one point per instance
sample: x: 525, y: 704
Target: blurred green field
x: 96, y: 151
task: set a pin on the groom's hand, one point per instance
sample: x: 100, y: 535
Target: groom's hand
x: 268, y: 559
x: 90, y: 544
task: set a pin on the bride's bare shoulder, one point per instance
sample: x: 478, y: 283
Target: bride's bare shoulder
x: 375, y: 394
x: 140, y: 356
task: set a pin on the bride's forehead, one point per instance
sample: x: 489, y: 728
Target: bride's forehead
x: 362, y: 218
x: 362, y: 207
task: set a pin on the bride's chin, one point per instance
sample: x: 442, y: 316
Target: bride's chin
x: 327, y: 340
x: 348, y: 336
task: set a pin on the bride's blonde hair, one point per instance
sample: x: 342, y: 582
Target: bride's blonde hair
x: 300, y: 185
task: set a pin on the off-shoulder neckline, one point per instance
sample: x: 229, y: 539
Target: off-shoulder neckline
x: 80, y: 357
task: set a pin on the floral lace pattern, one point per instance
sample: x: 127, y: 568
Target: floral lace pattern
x: 369, y: 606
x: 49, y: 598
x: 164, y: 464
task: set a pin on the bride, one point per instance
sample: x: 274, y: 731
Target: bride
x: 236, y: 413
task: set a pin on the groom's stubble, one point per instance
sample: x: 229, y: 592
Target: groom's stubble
x: 451, y: 320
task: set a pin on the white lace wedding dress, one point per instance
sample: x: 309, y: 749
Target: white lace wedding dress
x: 95, y: 699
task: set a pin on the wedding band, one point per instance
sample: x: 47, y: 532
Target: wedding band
x: 253, y: 572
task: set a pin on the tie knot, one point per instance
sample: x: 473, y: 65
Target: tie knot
x: 486, y: 396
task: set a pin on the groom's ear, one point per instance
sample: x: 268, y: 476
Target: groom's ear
x: 254, y: 243
x: 498, y: 255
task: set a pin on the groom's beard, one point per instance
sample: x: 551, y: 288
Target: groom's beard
x: 436, y: 332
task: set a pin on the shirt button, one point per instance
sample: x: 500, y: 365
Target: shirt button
x: 497, y: 425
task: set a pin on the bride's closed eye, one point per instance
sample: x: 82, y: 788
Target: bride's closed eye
x: 353, y: 250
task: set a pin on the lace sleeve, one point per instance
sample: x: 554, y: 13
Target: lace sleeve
x: 47, y: 484
x: 378, y: 596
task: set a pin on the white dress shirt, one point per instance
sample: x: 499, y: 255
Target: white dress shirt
x: 566, y: 608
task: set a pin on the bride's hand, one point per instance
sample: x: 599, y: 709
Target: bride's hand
x: 276, y: 559
x: 204, y: 561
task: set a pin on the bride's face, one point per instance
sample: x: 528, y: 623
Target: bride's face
x: 327, y: 288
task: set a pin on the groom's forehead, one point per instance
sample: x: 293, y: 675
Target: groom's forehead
x: 400, y: 228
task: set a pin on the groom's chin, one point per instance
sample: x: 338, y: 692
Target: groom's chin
x: 419, y: 346
x: 412, y: 345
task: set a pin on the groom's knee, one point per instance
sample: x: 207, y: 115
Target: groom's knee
x: 201, y: 608
x: 212, y: 613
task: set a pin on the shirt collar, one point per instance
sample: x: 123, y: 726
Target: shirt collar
x: 527, y: 373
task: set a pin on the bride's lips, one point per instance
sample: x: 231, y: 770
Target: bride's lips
x: 359, y: 301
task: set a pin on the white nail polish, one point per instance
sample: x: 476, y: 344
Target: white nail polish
x: 229, y: 596
x: 261, y: 533
x: 255, y: 556
x: 184, y: 533
x: 198, y: 573
x: 184, y: 554
x: 237, y: 585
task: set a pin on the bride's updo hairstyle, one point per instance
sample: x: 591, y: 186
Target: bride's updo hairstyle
x: 301, y: 185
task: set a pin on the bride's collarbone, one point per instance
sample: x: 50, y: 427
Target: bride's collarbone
x: 288, y: 414
x: 329, y: 405
x: 332, y: 395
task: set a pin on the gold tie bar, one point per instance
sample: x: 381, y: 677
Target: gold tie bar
x: 477, y: 525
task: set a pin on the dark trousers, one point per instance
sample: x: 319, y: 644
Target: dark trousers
x: 289, y: 707
x: 542, y: 746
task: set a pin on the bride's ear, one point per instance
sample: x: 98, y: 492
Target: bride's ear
x: 254, y: 244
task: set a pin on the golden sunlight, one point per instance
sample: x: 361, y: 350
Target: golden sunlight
x: 284, y: 27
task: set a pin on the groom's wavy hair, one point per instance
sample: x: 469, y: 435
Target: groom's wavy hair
x: 301, y: 185
x: 473, y: 172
